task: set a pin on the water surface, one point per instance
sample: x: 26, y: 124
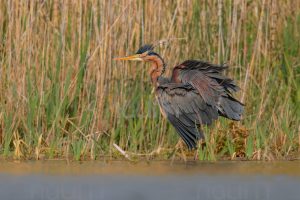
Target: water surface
x: 155, y: 180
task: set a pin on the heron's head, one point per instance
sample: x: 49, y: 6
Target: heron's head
x: 144, y: 53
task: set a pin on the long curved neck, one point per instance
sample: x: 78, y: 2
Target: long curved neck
x: 157, y: 69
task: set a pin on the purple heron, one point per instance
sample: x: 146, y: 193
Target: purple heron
x: 196, y: 94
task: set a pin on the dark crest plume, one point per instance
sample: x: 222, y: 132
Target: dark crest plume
x: 144, y: 48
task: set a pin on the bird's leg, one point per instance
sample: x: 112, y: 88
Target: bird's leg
x: 180, y: 146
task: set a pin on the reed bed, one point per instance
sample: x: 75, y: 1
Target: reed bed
x: 62, y: 95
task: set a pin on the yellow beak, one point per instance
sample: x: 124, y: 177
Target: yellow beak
x: 133, y: 57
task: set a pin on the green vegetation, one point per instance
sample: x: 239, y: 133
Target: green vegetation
x: 62, y: 95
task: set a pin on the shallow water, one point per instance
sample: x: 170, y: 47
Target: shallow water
x: 155, y: 180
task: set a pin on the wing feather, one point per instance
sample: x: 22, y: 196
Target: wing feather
x: 186, y: 110
x: 197, y: 94
x: 215, y: 88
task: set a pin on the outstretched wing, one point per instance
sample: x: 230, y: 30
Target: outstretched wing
x: 186, y: 110
x: 212, y: 85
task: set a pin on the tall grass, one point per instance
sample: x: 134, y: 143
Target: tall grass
x: 63, y: 96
